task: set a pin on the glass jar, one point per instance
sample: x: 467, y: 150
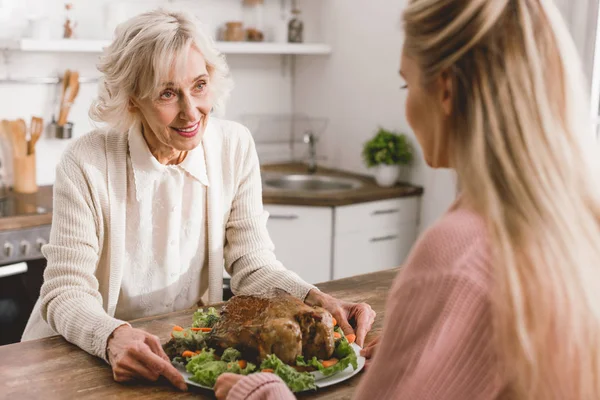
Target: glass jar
x: 234, y: 32
x: 253, y: 12
x: 295, y: 28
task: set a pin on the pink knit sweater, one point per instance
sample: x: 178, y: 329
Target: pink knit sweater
x: 437, y: 336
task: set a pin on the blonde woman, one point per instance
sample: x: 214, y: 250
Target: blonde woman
x: 501, y: 298
x: 150, y: 209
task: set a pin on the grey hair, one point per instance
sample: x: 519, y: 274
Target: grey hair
x: 142, y: 55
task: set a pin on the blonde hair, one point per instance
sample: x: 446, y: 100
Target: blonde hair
x: 143, y: 53
x: 522, y: 146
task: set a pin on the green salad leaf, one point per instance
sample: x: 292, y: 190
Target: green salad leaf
x: 205, y: 369
x: 206, y: 319
x: 234, y: 367
x: 184, y: 340
x: 343, y: 352
x: 296, y: 381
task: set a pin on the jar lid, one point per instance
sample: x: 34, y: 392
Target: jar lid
x: 234, y: 23
x: 253, y: 2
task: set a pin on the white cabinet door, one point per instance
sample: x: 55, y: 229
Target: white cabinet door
x: 373, y: 236
x: 302, y: 238
x: 373, y: 250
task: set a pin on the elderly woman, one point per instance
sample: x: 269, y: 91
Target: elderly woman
x: 150, y: 210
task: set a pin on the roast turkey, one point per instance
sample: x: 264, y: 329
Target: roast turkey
x: 276, y: 323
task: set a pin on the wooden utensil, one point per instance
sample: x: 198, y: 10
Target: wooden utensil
x: 73, y: 90
x: 19, y: 137
x: 65, y: 85
x: 36, y: 128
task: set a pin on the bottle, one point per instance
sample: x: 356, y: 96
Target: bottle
x: 295, y: 27
x: 253, y: 12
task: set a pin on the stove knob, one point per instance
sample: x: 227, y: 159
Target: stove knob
x: 8, y: 250
x: 25, y: 247
x: 40, y: 243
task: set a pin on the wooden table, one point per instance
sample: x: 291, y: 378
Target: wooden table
x: 52, y: 368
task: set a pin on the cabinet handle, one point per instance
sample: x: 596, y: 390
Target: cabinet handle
x: 382, y: 212
x: 384, y: 238
x: 286, y: 217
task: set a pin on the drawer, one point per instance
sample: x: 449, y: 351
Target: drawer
x: 376, y: 215
x: 370, y: 251
x: 302, y: 239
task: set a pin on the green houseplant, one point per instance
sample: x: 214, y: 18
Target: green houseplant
x: 386, y: 152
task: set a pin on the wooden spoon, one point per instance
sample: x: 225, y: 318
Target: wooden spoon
x: 19, y: 137
x: 37, y: 126
x: 73, y: 90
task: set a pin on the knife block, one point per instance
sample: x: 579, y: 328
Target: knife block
x: 24, y: 175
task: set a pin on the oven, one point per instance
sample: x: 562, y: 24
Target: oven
x: 21, y: 277
x: 24, y: 229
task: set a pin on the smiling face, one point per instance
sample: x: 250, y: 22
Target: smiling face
x: 175, y: 116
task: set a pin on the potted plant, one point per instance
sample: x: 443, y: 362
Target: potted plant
x: 386, y: 152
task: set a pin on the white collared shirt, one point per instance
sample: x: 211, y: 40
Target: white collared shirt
x: 166, y: 238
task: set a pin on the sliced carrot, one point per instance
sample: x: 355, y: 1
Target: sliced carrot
x: 336, y: 335
x: 334, y: 321
x: 188, y: 354
x: 242, y: 363
x: 177, y: 328
x: 267, y: 370
x: 198, y: 352
x: 330, y: 363
x: 351, y: 338
x: 202, y: 329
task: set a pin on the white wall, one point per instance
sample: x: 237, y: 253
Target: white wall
x: 263, y: 83
x: 358, y: 88
x: 581, y: 17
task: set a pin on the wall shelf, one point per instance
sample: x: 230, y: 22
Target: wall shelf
x: 96, y: 46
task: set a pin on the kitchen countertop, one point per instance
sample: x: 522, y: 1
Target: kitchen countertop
x: 52, y: 368
x: 369, y: 191
x: 31, y: 209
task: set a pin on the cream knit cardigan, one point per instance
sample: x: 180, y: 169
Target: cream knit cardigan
x: 86, y: 249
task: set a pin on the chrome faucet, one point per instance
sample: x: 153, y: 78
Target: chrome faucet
x: 309, y: 138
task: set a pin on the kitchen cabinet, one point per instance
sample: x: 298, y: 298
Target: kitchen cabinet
x: 373, y: 236
x: 302, y: 238
x: 324, y: 243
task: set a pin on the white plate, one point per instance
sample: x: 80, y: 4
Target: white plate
x: 321, y: 381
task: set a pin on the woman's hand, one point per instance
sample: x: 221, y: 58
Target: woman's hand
x: 343, y: 311
x: 134, y: 353
x: 369, y: 351
x: 225, y: 383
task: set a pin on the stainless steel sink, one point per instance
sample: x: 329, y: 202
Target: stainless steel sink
x: 311, y: 183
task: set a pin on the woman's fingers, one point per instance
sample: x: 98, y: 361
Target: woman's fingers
x: 225, y: 383
x: 343, y: 323
x: 159, y: 366
x: 136, y: 368
x: 364, y: 316
x: 121, y: 374
x: 370, y: 349
x: 154, y: 343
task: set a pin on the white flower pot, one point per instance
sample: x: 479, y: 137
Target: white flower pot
x: 387, y: 175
